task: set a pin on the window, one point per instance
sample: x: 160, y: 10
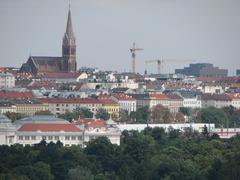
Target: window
x: 67, y: 137
x: 79, y: 137
x: 44, y: 137
x: 50, y: 138
x: 20, y: 137
x: 33, y: 137
x: 73, y: 137
x: 56, y: 138
x: 26, y: 137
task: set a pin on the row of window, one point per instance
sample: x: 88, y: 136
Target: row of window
x: 78, y: 105
x: 50, y: 138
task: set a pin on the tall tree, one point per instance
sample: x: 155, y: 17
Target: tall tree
x: 161, y: 114
x: 102, y: 114
x: 85, y: 112
x: 213, y: 115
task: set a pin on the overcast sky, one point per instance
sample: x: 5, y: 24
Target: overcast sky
x: 197, y: 30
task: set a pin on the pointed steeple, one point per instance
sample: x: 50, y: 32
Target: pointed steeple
x: 69, y: 63
x: 69, y: 29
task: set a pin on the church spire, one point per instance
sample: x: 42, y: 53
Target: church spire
x: 69, y: 63
x: 69, y: 29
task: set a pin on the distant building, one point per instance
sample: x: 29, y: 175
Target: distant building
x: 235, y: 97
x: 62, y: 105
x: 46, y: 64
x: 238, y: 72
x: 202, y: 69
x: 34, y: 129
x: 216, y: 100
x: 7, y: 80
x: 125, y: 102
x: 94, y: 128
x: 6, y: 106
x: 29, y: 106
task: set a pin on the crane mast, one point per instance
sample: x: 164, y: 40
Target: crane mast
x: 133, y: 52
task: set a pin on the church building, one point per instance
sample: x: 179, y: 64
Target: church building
x: 46, y: 64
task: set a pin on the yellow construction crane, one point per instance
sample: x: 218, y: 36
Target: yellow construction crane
x: 161, y: 61
x: 132, y: 50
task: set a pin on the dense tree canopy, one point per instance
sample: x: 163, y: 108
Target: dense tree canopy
x: 150, y: 154
x: 102, y: 114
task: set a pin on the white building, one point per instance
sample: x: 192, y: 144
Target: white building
x: 7, y: 80
x: 235, y: 100
x: 226, y: 133
x: 7, y: 131
x: 192, y: 101
x: 212, y: 89
x: 6, y: 106
x: 125, y: 102
x: 32, y: 130
x: 94, y: 128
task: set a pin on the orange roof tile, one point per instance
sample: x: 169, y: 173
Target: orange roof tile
x: 159, y: 96
x: 234, y: 95
x: 123, y: 97
x: 15, y: 95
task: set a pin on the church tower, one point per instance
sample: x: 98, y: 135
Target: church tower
x: 69, y: 63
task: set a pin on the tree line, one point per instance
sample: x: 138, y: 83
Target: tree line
x: 148, y: 155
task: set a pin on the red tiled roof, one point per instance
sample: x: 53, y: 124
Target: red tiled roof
x: 49, y: 127
x: 123, y: 97
x: 159, y: 96
x: 61, y: 75
x: 70, y: 100
x: 234, y: 95
x: 94, y: 123
x: 97, y: 123
x: 237, y: 85
x: 15, y: 95
x: 104, y: 96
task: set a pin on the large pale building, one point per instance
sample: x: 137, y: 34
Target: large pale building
x: 64, y: 64
x: 32, y: 130
x: 7, y: 80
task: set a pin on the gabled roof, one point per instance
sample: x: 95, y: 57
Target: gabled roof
x: 45, y: 60
x: 49, y: 127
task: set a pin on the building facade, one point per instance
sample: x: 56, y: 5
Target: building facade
x: 62, y: 105
x: 202, y: 69
x: 125, y: 102
x: 7, y: 80
x: 32, y: 130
